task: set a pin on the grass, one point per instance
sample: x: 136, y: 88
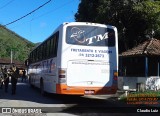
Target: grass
x: 148, y: 93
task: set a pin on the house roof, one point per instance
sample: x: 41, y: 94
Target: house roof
x: 6, y: 61
x: 149, y: 47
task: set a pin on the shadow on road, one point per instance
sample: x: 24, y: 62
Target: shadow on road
x: 25, y: 93
x: 76, y: 105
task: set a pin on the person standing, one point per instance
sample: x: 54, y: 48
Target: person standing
x: 23, y: 75
x: 6, y: 78
x: 1, y: 82
x: 1, y: 79
x: 14, y: 78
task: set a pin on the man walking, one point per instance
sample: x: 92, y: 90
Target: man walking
x: 14, y: 78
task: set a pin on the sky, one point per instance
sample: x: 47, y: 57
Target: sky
x: 40, y: 24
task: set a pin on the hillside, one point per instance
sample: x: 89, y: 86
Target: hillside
x: 10, y: 40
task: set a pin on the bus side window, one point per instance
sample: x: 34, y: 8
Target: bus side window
x: 56, y: 44
x: 54, y: 47
x: 34, y: 56
x: 40, y: 54
x: 48, y: 48
x: 45, y: 50
x: 51, y: 48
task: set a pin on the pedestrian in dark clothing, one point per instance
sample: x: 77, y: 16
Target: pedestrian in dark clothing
x: 23, y: 75
x: 17, y: 71
x: 1, y: 82
x: 1, y: 79
x: 14, y: 78
x: 5, y: 78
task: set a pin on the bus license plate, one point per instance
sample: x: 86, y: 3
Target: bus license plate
x: 89, y: 92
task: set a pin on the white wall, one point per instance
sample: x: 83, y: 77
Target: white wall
x: 129, y: 83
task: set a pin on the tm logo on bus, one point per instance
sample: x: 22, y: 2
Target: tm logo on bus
x: 79, y: 36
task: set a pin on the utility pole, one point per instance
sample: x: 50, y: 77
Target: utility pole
x: 11, y: 57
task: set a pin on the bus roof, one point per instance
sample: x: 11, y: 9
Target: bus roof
x: 75, y: 23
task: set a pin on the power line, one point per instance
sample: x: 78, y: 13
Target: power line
x: 6, y: 4
x: 46, y: 13
x: 53, y: 10
x: 28, y: 13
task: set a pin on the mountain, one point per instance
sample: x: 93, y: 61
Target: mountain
x: 9, y: 40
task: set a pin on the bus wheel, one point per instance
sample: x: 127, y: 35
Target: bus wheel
x: 42, y: 87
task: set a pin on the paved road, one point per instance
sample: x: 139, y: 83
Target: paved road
x: 27, y: 97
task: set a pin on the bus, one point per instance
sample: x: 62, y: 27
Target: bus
x: 79, y: 58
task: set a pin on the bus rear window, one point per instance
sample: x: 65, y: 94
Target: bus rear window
x: 90, y: 36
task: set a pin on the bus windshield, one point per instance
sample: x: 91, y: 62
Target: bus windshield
x: 90, y: 36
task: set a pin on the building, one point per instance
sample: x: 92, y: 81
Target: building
x: 7, y: 62
x: 141, y: 64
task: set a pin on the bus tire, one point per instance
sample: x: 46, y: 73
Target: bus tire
x: 42, y: 87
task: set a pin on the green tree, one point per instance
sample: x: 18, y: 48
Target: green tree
x: 135, y: 19
x: 87, y: 10
x: 150, y: 11
x: 11, y: 41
